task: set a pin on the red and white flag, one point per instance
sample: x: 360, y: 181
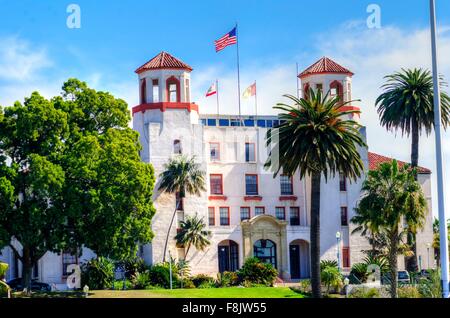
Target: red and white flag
x: 212, y: 90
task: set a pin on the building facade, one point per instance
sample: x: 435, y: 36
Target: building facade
x: 248, y: 211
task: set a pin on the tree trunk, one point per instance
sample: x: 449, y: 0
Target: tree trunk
x: 315, y: 236
x: 27, y: 267
x: 411, y: 261
x: 393, y: 266
x: 170, y: 226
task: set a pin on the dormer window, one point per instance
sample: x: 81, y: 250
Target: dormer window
x: 177, y: 147
x: 173, y: 90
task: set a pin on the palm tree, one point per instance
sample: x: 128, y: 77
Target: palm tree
x: 315, y: 138
x: 181, y: 175
x: 407, y: 105
x: 391, y: 199
x: 192, y: 233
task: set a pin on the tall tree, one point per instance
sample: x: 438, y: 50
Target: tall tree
x: 317, y: 139
x: 193, y: 233
x: 407, y: 105
x: 181, y: 175
x: 391, y: 198
x: 71, y: 177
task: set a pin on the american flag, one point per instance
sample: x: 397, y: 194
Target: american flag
x: 228, y: 39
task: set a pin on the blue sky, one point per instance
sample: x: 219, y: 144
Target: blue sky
x: 38, y: 51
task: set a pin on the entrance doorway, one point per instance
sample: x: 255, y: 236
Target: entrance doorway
x: 228, y: 253
x: 299, y: 259
x: 266, y: 251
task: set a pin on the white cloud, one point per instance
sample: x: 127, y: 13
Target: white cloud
x: 19, y: 60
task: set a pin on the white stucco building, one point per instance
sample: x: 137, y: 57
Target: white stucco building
x: 247, y: 210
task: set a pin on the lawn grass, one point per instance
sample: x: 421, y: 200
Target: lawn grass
x: 232, y: 292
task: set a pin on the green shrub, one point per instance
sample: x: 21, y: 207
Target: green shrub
x: 133, y: 266
x: 359, y: 270
x: 327, y: 263
x: 186, y: 283
x: 206, y: 284
x: 98, y: 273
x: 408, y: 292
x: 141, y: 280
x: 202, y: 279
x: 159, y: 275
x: 331, y: 278
x: 3, y: 270
x: 4, y: 289
x: 364, y: 292
x: 257, y: 272
x: 227, y: 279
x: 118, y: 284
x: 431, y: 288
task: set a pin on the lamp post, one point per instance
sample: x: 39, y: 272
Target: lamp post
x: 428, y: 255
x: 443, y: 233
x: 338, y: 245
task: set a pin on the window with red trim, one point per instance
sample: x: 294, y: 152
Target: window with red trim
x: 143, y: 91
x: 245, y: 213
x: 260, y: 210
x: 251, y: 184
x: 224, y: 213
x: 295, y: 215
x: 280, y: 213
x: 216, y: 184
x: 344, y: 216
x: 212, y: 216
x: 173, y: 90
x: 155, y: 91
x: 286, y: 185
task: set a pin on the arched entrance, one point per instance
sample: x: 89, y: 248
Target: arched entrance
x: 228, y: 254
x: 299, y: 259
x: 266, y: 251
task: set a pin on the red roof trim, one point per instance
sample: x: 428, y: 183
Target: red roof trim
x: 163, y: 61
x: 163, y: 106
x: 375, y: 160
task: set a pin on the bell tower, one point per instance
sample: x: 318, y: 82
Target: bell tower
x: 329, y: 76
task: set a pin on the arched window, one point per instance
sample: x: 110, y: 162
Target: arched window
x: 336, y: 89
x: 173, y: 90
x: 177, y: 147
x: 266, y: 251
x: 306, y: 91
x: 143, y: 91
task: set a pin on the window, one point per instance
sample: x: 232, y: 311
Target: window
x: 212, y: 122
x: 215, y: 183
x: 319, y: 87
x: 344, y: 216
x: 336, y: 89
x: 155, y: 91
x: 346, y: 257
x: 68, y: 259
x: 214, y: 149
x: 259, y: 210
x: 286, y: 185
x: 306, y: 91
x: 143, y: 91
x: 188, y: 91
x: 245, y: 213
x: 280, y: 213
x: 249, y: 152
x: 251, y: 184
x: 342, y: 182
x: 177, y: 147
x: 179, y: 202
x: 224, y: 216
x: 295, y: 215
x: 173, y: 90
x: 211, y: 216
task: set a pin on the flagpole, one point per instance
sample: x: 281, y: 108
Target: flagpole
x: 256, y: 105
x: 217, y: 98
x: 238, y: 74
x: 443, y: 232
x: 296, y: 76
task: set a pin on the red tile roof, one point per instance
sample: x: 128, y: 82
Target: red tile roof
x: 375, y: 160
x: 163, y: 61
x: 325, y: 65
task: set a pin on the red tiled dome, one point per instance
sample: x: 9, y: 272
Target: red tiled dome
x: 323, y: 66
x: 163, y: 61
